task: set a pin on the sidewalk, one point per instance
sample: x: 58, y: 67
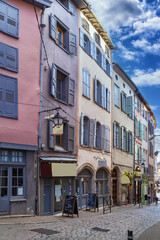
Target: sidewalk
x: 151, y: 233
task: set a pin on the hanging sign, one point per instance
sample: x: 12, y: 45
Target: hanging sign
x: 58, y: 129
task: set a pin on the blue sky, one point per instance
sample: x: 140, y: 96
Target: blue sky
x: 134, y: 28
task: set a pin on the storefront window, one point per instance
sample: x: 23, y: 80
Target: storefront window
x: 17, y: 182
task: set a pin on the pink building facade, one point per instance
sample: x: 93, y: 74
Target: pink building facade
x: 20, y: 55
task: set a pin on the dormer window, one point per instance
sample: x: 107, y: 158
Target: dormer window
x: 85, y: 24
x: 97, y: 38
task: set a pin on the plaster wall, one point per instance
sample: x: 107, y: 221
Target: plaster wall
x: 24, y: 130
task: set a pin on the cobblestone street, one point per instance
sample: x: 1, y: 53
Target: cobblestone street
x: 89, y: 226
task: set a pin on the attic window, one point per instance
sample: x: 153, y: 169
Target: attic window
x: 97, y: 38
x: 85, y: 24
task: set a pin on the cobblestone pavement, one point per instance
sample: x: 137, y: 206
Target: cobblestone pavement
x: 67, y: 228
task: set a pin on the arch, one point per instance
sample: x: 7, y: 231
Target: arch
x: 88, y: 166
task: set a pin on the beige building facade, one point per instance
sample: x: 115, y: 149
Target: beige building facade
x: 94, y: 110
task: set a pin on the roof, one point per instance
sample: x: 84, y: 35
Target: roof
x: 90, y: 15
x: 40, y: 3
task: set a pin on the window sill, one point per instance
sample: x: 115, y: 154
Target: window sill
x: 62, y: 48
x: 59, y: 149
x: 86, y: 97
x: 61, y: 101
x: 18, y: 200
x: 65, y: 8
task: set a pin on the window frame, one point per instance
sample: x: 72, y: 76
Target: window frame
x: 116, y: 96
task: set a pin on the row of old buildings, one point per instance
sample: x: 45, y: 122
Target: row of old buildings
x: 56, y: 66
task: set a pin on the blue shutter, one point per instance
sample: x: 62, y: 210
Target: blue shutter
x: 53, y: 80
x: 82, y: 128
x: 3, y: 16
x: 103, y: 101
x: 95, y: 90
x: 9, y: 104
x: 11, y: 58
x: 103, y: 137
x: 2, y: 55
x: 71, y: 91
x: 91, y: 133
x: 50, y: 135
x: 70, y: 138
x: 129, y: 106
x: 13, y: 21
x: 107, y: 139
x: 88, y: 84
x: 114, y: 134
x: 93, y: 50
x: 108, y: 100
x: 52, y: 27
x: 72, y: 44
x: 72, y: 7
x: 81, y: 38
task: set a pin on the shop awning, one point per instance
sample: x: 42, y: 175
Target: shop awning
x: 125, y: 180
x: 58, y: 159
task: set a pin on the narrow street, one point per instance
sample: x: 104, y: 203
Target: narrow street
x: 88, y: 226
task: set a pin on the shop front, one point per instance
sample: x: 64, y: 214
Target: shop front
x: 125, y: 188
x: 144, y: 188
x: 57, y: 179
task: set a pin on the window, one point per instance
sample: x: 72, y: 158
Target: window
x: 64, y: 142
x: 107, y: 67
x: 86, y: 44
x: 62, y: 36
x: 86, y: 128
x: 116, y: 95
x: 86, y: 83
x: 123, y: 101
x: 69, y: 5
x: 8, y: 96
x: 116, y: 77
x: 85, y: 24
x: 62, y: 86
x: 9, y: 19
x: 17, y: 181
x: 107, y: 51
x: 124, y: 85
x: 98, y: 56
x: 130, y: 142
x: 102, y: 95
x: 124, y: 140
x: 97, y: 38
x: 117, y: 133
x: 8, y: 57
x: 97, y: 142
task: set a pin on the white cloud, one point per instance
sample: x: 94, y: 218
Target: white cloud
x: 146, y: 77
x: 154, y: 107
x: 147, y: 46
x: 125, y: 53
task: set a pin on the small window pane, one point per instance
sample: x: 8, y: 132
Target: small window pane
x: 14, y: 191
x: 4, y: 156
x: 14, y: 171
x: 20, y: 172
x: 5, y: 172
x: 11, y: 22
x: 20, y: 182
x: 1, y: 17
x: 14, y: 181
x: 4, y: 182
x: 4, y: 192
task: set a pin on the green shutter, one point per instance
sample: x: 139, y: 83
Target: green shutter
x: 120, y: 137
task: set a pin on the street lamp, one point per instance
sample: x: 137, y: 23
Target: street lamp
x: 153, y: 136
x: 57, y: 120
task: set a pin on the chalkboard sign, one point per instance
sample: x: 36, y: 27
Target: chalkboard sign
x: 70, y: 205
x: 92, y: 201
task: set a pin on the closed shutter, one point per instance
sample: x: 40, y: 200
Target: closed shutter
x: 71, y: 91
x: 95, y: 124
x: 81, y: 38
x: 107, y: 139
x: 129, y: 109
x: 91, y: 133
x: 52, y: 27
x: 103, y: 96
x: 120, y: 137
x: 70, y: 138
x: 86, y: 132
x: 50, y: 135
x: 136, y: 152
x: 142, y: 129
x: 72, y: 44
x: 127, y: 141
x: 133, y: 144
x: 103, y: 61
x: 72, y: 8
x: 111, y: 70
x: 53, y: 80
x: 3, y: 16
x: 82, y: 128
x: 88, y: 84
x: 103, y: 137
x: 142, y: 155
x: 2, y: 55
x: 108, y: 100
x: 138, y: 128
x: 93, y: 50
x: 84, y: 82
x: 114, y: 134
x: 66, y: 40
x: 12, y: 21
x: 95, y: 90
x: 8, y: 57
x: 135, y: 101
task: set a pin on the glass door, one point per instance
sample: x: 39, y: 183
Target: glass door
x: 4, y: 193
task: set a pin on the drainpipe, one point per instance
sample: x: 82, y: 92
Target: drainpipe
x: 40, y: 114
x: 134, y: 182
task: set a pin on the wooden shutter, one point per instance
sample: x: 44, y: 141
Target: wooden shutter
x: 81, y: 38
x: 135, y: 101
x: 91, y: 132
x: 103, y: 61
x: 108, y: 100
x: 133, y: 144
x: 71, y: 91
x: 95, y: 124
x: 127, y: 141
x: 50, y: 135
x: 95, y: 90
x: 129, y: 108
x: 136, y: 152
x: 120, y: 138
x: 72, y: 44
x: 66, y: 40
x: 70, y: 138
x: 93, y: 50
x: 82, y: 128
x: 103, y: 137
x: 11, y: 58
x: 103, y: 101
x: 2, y: 54
x: 114, y: 134
x: 72, y: 8
x: 53, y: 80
x: 12, y: 21
x: 142, y: 155
x: 53, y: 27
x: 111, y: 70
x: 3, y: 16
x: 107, y: 139
x: 142, y: 129
x: 88, y: 84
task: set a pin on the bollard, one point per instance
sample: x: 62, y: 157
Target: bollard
x: 130, y: 235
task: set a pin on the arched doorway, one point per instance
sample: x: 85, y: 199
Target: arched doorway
x: 83, y: 187
x: 102, y: 188
x: 114, y: 186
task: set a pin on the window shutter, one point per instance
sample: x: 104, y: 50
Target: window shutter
x: 66, y: 40
x: 50, y: 133
x: 93, y: 50
x: 142, y: 129
x: 70, y: 138
x: 84, y: 82
x: 103, y: 101
x: 114, y: 134
x: 103, y: 61
x: 95, y: 90
x: 52, y: 27
x: 108, y: 100
x: 71, y: 91
x: 3, y: 16
x: 72, y: 8
x: 111, y: 70
x: 11, y: 58
x: 87, y: 133
x: 103, y: 137
x: 133, y: 144
x: 107, y: 139
x: 13, y: 21
x: 142, y: 155
x: 82, y: 128
x: 53, y: 80
x: 136, y: 152
x: 135, y: 101
x: 72, y: 44
x: 91, y: 132
x: 81, y: 35
x: 127, y: 141
x: 129, y: 106
x: 138, y: 128
x: 120, y: 138
x: 95, y: 124
x: 2, y: 54
x: 9, y: 103
x: 88, y: 84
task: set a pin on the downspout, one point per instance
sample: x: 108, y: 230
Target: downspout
x: 40, y: 114
x: 134, y: 182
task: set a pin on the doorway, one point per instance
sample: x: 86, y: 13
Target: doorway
x: 4, y: 192
x: 47, y: 196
